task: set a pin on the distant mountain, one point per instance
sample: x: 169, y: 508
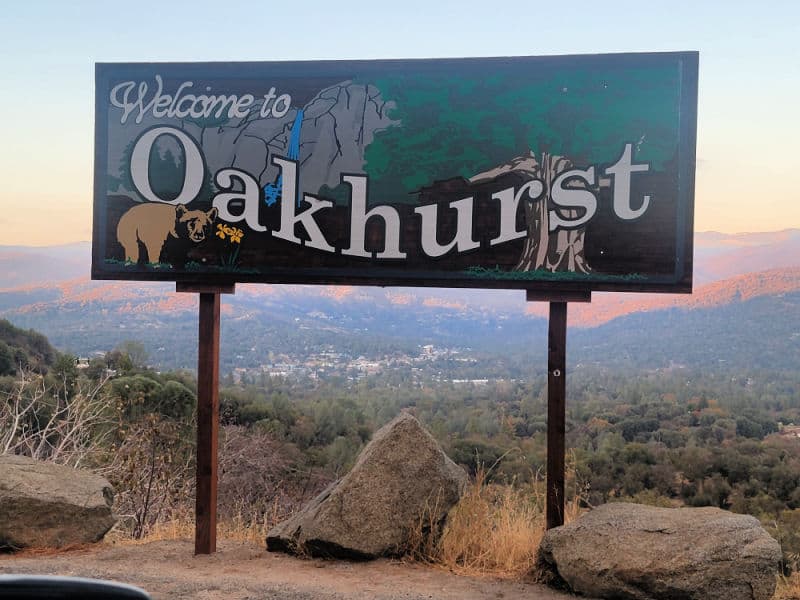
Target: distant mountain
x: 84, y: 317
x: 739, y: 317
x: 757, y: 332
x: 747, y: 320
x: 607, y: 307
x: 722, y: 255
x: 25, y: 265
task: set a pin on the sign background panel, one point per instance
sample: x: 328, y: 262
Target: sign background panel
x: 294, y: 155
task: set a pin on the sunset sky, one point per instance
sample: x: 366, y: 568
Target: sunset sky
x: 748, y: 129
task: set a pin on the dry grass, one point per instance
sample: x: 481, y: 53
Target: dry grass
x: 244, y: 528
x: 241, y: 527
x: 788, y: 588
x: 493, y: 530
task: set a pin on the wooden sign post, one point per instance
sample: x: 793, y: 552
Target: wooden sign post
x: 556, y: 399
x: 205, y: 533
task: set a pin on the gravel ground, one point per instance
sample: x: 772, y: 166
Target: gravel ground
x: 168, y: 569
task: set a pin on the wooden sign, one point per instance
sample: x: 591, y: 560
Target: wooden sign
x: 550, y: 173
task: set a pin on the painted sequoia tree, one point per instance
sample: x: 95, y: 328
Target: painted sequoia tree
x: 562, y: 251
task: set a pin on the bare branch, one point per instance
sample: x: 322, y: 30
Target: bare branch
x: 45, y: 426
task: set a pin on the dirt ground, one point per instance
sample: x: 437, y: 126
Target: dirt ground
x: 168, y: 569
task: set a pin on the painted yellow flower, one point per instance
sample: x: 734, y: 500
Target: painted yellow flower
x: 226, y: 231
x: 236, y: 235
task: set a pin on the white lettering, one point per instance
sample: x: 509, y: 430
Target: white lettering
x: 462, y: 240
x: 161, y: 106
x: 288, y: 217
x: 194, y: 170
x: 265, y: 108
x: 221, y: 102
x: 509, y: 203
x: 183, y: 113
x: 359, y: 218
x: 284, y: 99
x: 127, y: 105
x: 133, y: 100
x: 250, y: 195
x: 241, y: 108
x: 176, y: 97
x: 572, y: 198
x: 621, y: 172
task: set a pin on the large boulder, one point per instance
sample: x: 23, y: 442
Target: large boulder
x: 48, y: 505
x: 635, y: 552
x: 400, y: 477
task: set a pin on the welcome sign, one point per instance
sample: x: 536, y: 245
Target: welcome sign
x: 550, y: 173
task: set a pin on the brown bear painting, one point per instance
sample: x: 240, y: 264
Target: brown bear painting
x: 151, y: 223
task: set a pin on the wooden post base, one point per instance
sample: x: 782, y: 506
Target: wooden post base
x: 556, y: 413
x: 205, y: 536
x: 556, y: 397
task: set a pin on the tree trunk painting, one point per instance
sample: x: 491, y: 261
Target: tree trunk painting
x: 562, y: 251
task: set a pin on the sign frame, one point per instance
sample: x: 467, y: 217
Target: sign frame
x: 679, y: 280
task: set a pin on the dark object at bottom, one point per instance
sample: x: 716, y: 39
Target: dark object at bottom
x: 66, y: 588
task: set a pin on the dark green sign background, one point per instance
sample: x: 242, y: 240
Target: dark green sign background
x: 550, y: 173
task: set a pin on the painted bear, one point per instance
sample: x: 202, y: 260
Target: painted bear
x: 152, y: 222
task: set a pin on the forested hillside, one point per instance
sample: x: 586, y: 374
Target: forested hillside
x: 23, y: 349
x: 675, y: 436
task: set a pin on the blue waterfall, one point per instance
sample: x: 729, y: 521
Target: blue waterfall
x: 272, y: 191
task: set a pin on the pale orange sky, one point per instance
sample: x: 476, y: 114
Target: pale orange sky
x: 749, y: 84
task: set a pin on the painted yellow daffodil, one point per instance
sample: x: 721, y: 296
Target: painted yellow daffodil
x: 226, y: 231
x: 236, y: 235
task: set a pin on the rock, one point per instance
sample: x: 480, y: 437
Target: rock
x: 48, y: 505
x: 631, y: 551
x: 339, y: 122
x: 338, y: 125
x: 400, y: 476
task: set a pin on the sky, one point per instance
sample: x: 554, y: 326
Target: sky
x: 749, y: 90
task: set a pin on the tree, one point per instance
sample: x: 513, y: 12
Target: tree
x: 139, y: 395
x: 7, y: 365
x: 539, y: 252
x: 65, y: 373
x: 467, y: 125
x: 177, y: 401
x: 562, y: 252
x: 97, y: 368
x: 166, y: 174
x: 34, y: 424
x: 135, y: 351
x: 119, y: 361
x: 151, y: 469
x: 31, y: 350
x: 746, y: 427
